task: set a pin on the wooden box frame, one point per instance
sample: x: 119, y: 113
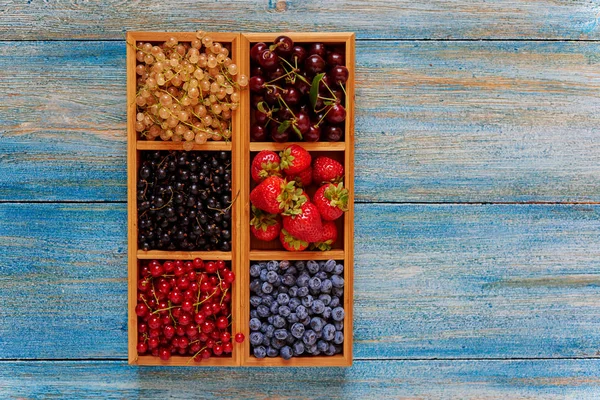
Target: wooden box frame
x: 244, y: 251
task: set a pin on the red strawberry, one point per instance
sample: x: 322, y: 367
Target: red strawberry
x: 294, y: 159
x: 290, y: 243
x: 305, y: 225
x: 328, y: 238
x: 275, y: 195
x: 265, y: 163
x: 303, y: 178
x: 331, y: 201
x: 326, y: 169
x: 264, y: 226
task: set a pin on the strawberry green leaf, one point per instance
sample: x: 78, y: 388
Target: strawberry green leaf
x: 314, y: 89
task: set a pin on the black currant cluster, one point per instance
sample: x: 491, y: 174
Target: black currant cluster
x: 184, y: 201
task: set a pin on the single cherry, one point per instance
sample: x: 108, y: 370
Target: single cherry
x: 336, y: 114
x: 318, y: 49
x: 257, y: 84
x: 333, y: 133
x: 268, y: 60
x: 258, y: 133
x: 314, y: 64
x: 256, y: 50
x: 299, y: 53
x: 283, y: 45
x: 335, y: 58
x: 339, y: 74
x: 313, y: 134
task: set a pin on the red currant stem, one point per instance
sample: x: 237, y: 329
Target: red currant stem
x: 166, y: 204
x: 343, y: 89
x: 286, y: 106
x: 223, y: 297
x: 211, y: 295
x: 199, y: 283
x: 196, y: 355
x: 171, y: 315
x: 154, y: 292
x: 166, y: 309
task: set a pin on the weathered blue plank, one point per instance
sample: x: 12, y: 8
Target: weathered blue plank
x: 543, y: 19
x: 369, y: 379
x: 443, y: 281
x: 435, y: 121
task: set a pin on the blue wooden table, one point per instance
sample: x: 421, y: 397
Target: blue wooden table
x: 477, y: 186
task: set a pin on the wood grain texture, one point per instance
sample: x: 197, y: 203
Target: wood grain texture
x: 444, y: 281
x: 542, y: 19
x: 435, y: 121
x: 533, y: 379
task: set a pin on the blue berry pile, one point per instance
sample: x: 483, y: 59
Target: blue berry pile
x: 297, y: 308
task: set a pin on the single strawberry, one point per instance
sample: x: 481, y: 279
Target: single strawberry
x: 302, y: 178
x: 326, y: 169
x: 264, y: 226
x: 331, y: 201
x: 306, y: 225
x: 328, y: 238
x: 275, y: 195
x: 290, y: 243
x: 265, y: 164
x: 294, y: 159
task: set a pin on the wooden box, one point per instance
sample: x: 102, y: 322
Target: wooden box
x: 244, y: 248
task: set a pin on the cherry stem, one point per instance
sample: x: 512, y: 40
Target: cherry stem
x: 343, y: 89
x: 286, y: 106
x: 327, y: 98
x: 323, y: 117
x: 282, y: 76
x: 328, y: 88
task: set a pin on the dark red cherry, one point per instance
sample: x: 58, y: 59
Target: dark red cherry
x: 268, y: 60
x: 339, y: 74
x: 257, y: 49
x: 313, y: 134
x: 258, y: 133
x: 255, y: 99
x: 335, y: 58
x: 272, y: 94
x: 276, y: 73
x: 303, y: 85
x: 279, y: 136
x: 302, y: 121
x: 333, y: 133
x: 291, y: 95
x: 285, y: 113
x: 257, y: 84
x: 336, y: 114
x: 257, y: 70
x: 284, y: 45
x: 314, y: 64
x: 318, y: 49
x: 299, y: 53
x: 260, y: 117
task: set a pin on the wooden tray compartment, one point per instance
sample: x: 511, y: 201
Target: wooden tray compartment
x: 134, y: 148
x: 254, y: 250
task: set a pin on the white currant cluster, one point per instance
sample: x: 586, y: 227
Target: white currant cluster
x: 186, y: 91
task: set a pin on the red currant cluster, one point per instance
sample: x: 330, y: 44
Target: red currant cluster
x: 184, y: 308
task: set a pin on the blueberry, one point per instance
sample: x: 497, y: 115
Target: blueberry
x: 307, y: 301
x: 255, y: 301
x: 260, y: 352
x: 282, y: 289
x: 319, y: 334
x: 270, y: 331
x: 272, y: 276
x: 322, y: 275
x: 302, y: 280
x: 266, y: 341
x: 288, y: 280
x: 255, y: 324
x: 328, y: 332
x: 292, y: 271
x: 263, y: 275
x: 338, y: 292
x: 338, y: 349
x: 293, y: 291
x: 303, y: 291
x: 305, y: 321
x: 274, y: 308
x: 317, y: 323
x: 284, y: 311
x: 277, y: 282
x: 322, y: 346
x: 270, y: 319
x: 321, y: 265
x: 326, y: 312
x: 300, y: 265
x: 317, y: 307
x: 294, y: 302
x: 311, y: 349
x: 283, y: 299
x: 256, y: 338
x: 253, y: 314
x: 272, y: 266
x: 298, y: 348
x: 312, y: 267
x: 267, y: 300
x: 339, y: 269
x: 263, y: 327
x: 276, y: 343
x: 267, y: 288
x: 292, y: 318
x: 255, y: 286
x: 339, y: 325
x: 290, y: 339
x: 309, y: 337
x: 325, y: 298
x: 335, y: 301
x: 337, y: 281
x: 329, y: 266
x: 286, y: 352
x: 338, y: 314
x: 255, y: 270
x: 338, y: 338
x: 263, y: 311
x: 314, y: 284
x: 281, y: 334
x: 297, y: 330
x: 301, y: 312
x: 330, y: 350
x: 278, y: 321
x: 283, y: 265
x: 272, y: 352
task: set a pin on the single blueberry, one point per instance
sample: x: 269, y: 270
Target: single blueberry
x: 270, y: 319
x: 335, y: 301
x: 283, y: 265
x: 282, y: 289
x: 292, y: 271
x: 288, y: 280
x: 325, y: 298
x: 263, y: 327
x: 293, y: 303
x: 298, y: 348
x: 255, y: 286
x: 284, y: 311
x: 302, y: 292
x: 322, y: 346
x: 297, y: 330
x: 338, y: 292
x: 326, y: 312
x: 337, y: 281
x: 290, y: 339
x: 283, y: 299
x: 281, y: 334
x: 260, y: 352
x: 272, y: 352
x: 263, y: 275
x: 263, y: 311
x: 321, y: 265
x: 267, y: 300
x: 330, y: 350
x: 311, y: 349
x: 312, y: 267
x: 307, y: 301
x: 253, y: 314
x: 274, y: 308
x: 328, y: 332
x: 321, y: 275
x: 255, y: 301
x: 317, y: 307
x: 266, y: 341
x: 277, y: 282
x: 300, y: 265
x: 309, y: 337
x: 314, y: 283
x: 270, y: 331
x: 278, y: 321
x: 338, y: 314
x: 317, y: 323
x: 255, y: 270
x: 272, y: 265
x: 301, y: 312
x: 339, y: 325
x: 267, y: 288
x: 272, y: 276
x: 329, y: 266
x: 293, y: 291
x: 292, y: 318
x: 338, y: 338
x: 286, y: 352
x: 255, y: 324
x: 302, y: 280
x: 256, y: 338
x: 276, y: 343
x: 305, y: 321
